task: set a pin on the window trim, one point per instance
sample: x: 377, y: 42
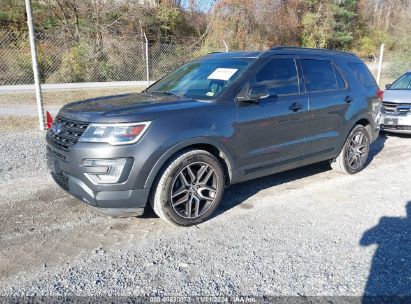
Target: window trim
x: 333, y: 65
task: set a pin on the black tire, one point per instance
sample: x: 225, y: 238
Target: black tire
x: 356, y: 146
x: 183, y: 183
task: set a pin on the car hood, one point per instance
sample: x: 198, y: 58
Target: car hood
x: 127, y: 107
x: 397, y: 96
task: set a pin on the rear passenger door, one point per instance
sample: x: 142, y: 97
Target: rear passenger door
x: 328, y: 103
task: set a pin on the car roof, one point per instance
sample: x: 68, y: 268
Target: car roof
x: 279, y: 51
x: 313, y: 51
x: 244, y: 54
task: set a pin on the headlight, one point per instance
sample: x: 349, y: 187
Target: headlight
x: 115, y: 134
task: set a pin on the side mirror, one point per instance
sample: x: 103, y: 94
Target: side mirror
x: 255, y: 93
x: 387, y: 86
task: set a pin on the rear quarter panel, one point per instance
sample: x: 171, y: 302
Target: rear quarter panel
x: 366, y: 105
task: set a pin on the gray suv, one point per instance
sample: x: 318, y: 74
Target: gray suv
x: 218, y: 120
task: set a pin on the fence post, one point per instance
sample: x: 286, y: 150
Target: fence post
x: 35, y: 65
x: 147, y: 61
x: 380, y: 63
x: 225, y: 46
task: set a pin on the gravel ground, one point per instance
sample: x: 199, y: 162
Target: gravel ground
x: 22, y: 154
x: 308, y: 232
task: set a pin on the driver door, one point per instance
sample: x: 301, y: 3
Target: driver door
x: 272, y: 131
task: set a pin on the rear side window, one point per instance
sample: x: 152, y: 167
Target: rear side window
x: 362, y: 74
x: 320, y: 75
x: 280, y: 76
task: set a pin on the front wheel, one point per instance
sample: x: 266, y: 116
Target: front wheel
x: 354, y: 154
x: 189, y: 189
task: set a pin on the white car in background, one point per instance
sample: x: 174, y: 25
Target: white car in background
x: 396, y: 106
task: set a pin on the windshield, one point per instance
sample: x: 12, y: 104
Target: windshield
x: 403, y: 83
x: 202, y: 79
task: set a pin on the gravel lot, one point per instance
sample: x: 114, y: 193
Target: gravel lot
x: 307, y: 232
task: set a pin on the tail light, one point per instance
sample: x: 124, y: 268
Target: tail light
x: 380, y: 94
x: 49, y: 120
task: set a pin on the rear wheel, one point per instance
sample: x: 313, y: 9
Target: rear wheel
x: 354, y: 154
x: 189, y: 189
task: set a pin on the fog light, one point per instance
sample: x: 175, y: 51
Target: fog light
x: 104, y: 171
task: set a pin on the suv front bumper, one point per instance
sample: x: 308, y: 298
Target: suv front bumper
x: 111, y: 199
x: 396, y: 123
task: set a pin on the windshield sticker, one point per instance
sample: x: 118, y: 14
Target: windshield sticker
x: 222, y: 74
x: 210, y: 93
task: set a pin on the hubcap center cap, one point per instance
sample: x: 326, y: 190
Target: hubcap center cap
x: 193, y: 188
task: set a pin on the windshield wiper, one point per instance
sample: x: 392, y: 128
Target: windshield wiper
x: 165, y: 93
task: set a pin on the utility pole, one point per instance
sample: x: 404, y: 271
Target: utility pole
x: 35, y: 64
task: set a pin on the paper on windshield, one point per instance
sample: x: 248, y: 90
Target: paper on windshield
x: 222, y: 74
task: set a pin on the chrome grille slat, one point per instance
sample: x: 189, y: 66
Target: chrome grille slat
x: 396, y: 108
x: 69, y: 135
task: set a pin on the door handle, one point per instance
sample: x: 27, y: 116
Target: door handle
x: 349, y: 99
x: 295, y: 107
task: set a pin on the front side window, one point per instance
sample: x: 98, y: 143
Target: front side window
x: 279, y: 76
x: 320, y: 75
x: 202, y: 79
x: 403, y: 83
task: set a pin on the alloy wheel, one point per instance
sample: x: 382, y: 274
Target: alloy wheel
x: 357, y: 151
x: 194, y: 190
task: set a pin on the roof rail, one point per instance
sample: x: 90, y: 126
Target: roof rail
x: 309, y: 49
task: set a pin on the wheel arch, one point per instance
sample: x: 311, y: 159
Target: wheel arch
x: 214, y: 147
x: 363, y: 121
x: 366, y: 124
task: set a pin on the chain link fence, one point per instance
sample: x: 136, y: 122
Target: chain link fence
x: 15, y: 60
x: 393, y: 66
x: 73, y: 70
x: 163, y: 58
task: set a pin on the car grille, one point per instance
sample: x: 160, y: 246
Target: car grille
x: 396, y: 108
x: 69, y: 134
x: 55, y: 153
